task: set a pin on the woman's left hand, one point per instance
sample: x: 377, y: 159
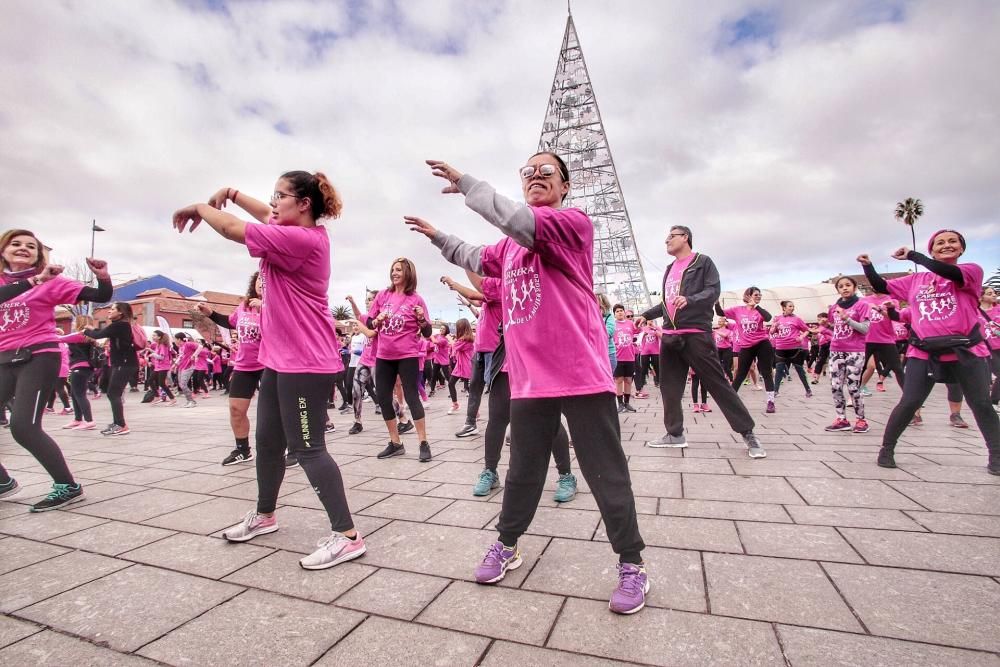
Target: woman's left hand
x: 420, y: 225
x: 183, y: 216
x: 448, y: 173
x: 99, y: 267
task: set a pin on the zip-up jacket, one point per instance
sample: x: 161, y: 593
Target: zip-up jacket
x: 701, y: 286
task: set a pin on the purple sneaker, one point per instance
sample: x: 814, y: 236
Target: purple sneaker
x: 633, y: 584
x: 496, y: 562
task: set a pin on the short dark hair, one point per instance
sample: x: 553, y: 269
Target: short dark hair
x: 617, y: 306
x: 686, y: 231
x: 563, y: 169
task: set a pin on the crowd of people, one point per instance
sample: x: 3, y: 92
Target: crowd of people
x: 936, y: 325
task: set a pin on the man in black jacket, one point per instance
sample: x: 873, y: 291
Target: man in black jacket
x: 689, y: 292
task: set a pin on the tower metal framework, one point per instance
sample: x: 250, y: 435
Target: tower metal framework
x: 574, y: 131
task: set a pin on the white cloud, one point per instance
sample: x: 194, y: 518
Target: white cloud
x: 785, y: 153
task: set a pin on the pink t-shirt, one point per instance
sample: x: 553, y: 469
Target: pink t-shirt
x: 188, y: 351
x: 246, y: 322
x: 442, y: 350
x: 487, y: 334
x: 369, y: 352
x: 880, y: 330
x: 650, y: 340
x: 29, y: 318
x: 750, y: 323
x: 423, y: 345
x: 398, y: 334
x: 723, y: 338
x: 939, y: 308
x: 625, y: 332
x: 671, y: 289
x: 787, y: 329
x: 463, y: 359
x: 845, y: 338
x: 900, y: 331
x: 991, y: 328
x: 298, y: 334
x: 63, y: 360
x: 201, y: 359
x: 542, y: 287
x: 164, y: 356
x: 217, y: 363
x: 824, y: 336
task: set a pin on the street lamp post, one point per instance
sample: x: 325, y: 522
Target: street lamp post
x: 94, y: 228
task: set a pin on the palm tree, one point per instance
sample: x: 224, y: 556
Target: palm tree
x: 342, y: 313
x: 909, y: 211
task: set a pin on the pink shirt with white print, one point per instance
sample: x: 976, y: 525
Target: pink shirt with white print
x: 881, y: 330
x: 463, y: 359
x: 164, y: 355
x: 671, y: 290
x: 787, y: 330
x: 650, y: 340
x: 750, y: 323
x: 298, y: 334
x: 29, y: 318
x: 991, y: 320
x: 901, y: 331
x: 63, y: 360
x: 723, y: 338
x: 541, y: 288
x: 368, y: 353
x: 442, y: 350
x: 398, y: 334
x: 625, y: 340
x: 844, y: 337
x: 487, y: 330
x: 246, y: 322
x: 201, y: 359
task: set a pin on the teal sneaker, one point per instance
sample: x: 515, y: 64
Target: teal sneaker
x: 488, y: 480
x: 61, y: 494
x: 565, y: 488
x: 865, y: 391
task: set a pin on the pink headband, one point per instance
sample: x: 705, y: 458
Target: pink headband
x: 930, y: 244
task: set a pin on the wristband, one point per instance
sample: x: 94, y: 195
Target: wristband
x: 235, y: 194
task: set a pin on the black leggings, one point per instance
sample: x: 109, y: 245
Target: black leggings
x: 764, y: 354
x: 198, y: 382
x: 645, y: 364
x: 821, y: 358
x: 794, y: 358
x: 386, y: 372
x: 695, y: 385
x: 60, y: 392
x: 120, y: 376
x: 726, y: 359
x: 974, y: 379
x: 79, y: 381
x: 886, y: 359
x: 995, y: 363
x: 593, y: 425
x: 441, y: 372
x: 32, y: 382
x: 291, y: 414
x: 158, y: 380
x: 452, y: 381
x: 496, y: 429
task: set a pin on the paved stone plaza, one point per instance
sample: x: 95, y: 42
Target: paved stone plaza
x: 813, y: 556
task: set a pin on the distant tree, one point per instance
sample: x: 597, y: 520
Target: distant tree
x: 342, y: 313
x: 909, y: 211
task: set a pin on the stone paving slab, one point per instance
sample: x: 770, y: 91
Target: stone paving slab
x: 844, y: 562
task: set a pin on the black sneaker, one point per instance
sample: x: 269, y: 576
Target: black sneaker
x: 357, y: 428
x: 627, y: 407
x: 9, y: 488
x: 330, y: 427
x: 108, y: 429
x: 347, y: 408
x: 406, y: 428
x: 238, y: 456
x: 425, y: 452
x: 291, y: 460
x: 392, y: 449
x: 344, y: 407
x: 378, y: 409
x: 61, y: 494
x: 886, y: 458
x: 467, y: 431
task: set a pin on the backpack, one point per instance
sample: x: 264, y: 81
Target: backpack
x: 139, y: 340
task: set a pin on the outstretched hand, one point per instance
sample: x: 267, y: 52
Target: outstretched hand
x: 864, y: 260
x: 205, y: 309
x: 99, y: 268
x: 448, y: 173
x: 420, y: 225
x: 183, y: 216
x: 220, y: 198
x: 901, y: 252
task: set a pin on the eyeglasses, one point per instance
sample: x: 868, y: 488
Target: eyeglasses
x: 278, y: 196
x: 670, y: 236
x: 546, y: 170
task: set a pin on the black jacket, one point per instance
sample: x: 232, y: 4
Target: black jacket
x: 701, y: 286
x: 119, y: 333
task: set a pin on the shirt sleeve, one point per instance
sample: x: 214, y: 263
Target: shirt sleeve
x: 492, y: 259
x: 562, y: 235
x: 284, y: 246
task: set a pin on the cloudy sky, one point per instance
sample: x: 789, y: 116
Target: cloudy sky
x: 783, y: 133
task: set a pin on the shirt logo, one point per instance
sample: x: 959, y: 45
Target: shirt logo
x: 247, y: 329
x: 15, y: 315
x: 936, y: 303
x: 525, y: 294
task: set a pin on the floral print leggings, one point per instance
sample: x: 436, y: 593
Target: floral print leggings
x: 845, y: 370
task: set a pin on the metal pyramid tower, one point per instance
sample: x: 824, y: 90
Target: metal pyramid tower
x: 574, y: 131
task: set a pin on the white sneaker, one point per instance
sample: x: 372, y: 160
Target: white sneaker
x: 674, y: 441
x: 453, y: 410
x: 190, y: 404
x: 253, y: 524
x: 334, y: 550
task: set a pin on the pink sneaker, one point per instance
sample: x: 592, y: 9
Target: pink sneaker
x: 73, y: 424
x: 641, y: 394
x: 66, y: 411
x: 334, y: 550
x: 85, y: 426
x: 705, y: 408
x: 253, y: 524
x: 48, y: 411
x: 696, y: 407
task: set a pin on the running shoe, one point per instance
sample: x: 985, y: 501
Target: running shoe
x: 116, y: 430
x: 917, y: 421
x: 488, y: 480
x: 956, y: 421
x: 73, y: 424
x: 467, y: 431
x: 814, y: 381
x: 170, y: 402
x: 107, y: 429
x: 696, y: 407
x: 392, y: 449
x: 291, y: 460
x: 238, y: 456
x: 66, y: 411
x: 85, y: 426
x: 453, y: 410
x: 253, y: 524
x: 330, y: 427
x: 425, y: 452
x: 565, y: 488
x: 630, y: 595
x: 9, y: 488
x: 861, y: 426
x: 993, y: 467
x: 334, y: 550
x: 880, y: 386
x: 705, y: 408
x: 770, y: 408
x: 840, y: 424
x: 865, y: 391
x: 347, y: 408
x: 190, y: 404
x: 626, y: 407
x: 886, y: 458
x: 809, y: 393
x: 640, y: 394
x: 754, y: 449
x: 667, y: 440
x: 621, y: 408
x: 60, y: 495
x: 405, y: 427
x: 497, y: 561
x: 48, y: 411
x: 357, y: 428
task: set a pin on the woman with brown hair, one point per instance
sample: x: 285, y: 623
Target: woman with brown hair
x: 462, y: 349
x: 124, y: 362
x: 81, y: 360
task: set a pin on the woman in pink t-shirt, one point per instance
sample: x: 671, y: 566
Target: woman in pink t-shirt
x: 648, y: 358
x: 298, y: 348
x: 30, y: 356
x: 849, y: 320
x: 546, y: 265
x: 947, y: 343
x: 462, y: 349
x: 755, y: 345
x: 399, y: 315
x: 161, y: 356
x: 440, y: 358
x: 788, y: 331
x: 724, y: 341
x: 989, y: 313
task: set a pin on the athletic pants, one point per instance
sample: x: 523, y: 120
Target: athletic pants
x: 726, y: 359
x: 644, y: 364
x: 763, y: 352
x: 159, y: 381
x: 480, y: 367
x: 386, y: 372
x: 786, y: 358
x: 291, y: 414
x: 845, y: 371
x: 499, y: 418
x: 886, y: 359
x: 120, y: 376
x: 79, y: 381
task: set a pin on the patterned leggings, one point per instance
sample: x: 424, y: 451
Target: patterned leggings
x: 846, y: 369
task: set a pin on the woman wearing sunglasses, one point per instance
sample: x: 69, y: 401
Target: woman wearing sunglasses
x: 545, y: 264
x: 299, y: 362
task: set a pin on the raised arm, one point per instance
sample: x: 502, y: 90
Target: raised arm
x: 227, y: 225
x: 257, y: 209
x: 878, y: 283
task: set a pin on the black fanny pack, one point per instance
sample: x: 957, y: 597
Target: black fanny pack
x: 936, y: 345
x: 22, y: 355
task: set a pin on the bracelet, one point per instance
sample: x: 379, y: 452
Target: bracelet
x: 235, y: 194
